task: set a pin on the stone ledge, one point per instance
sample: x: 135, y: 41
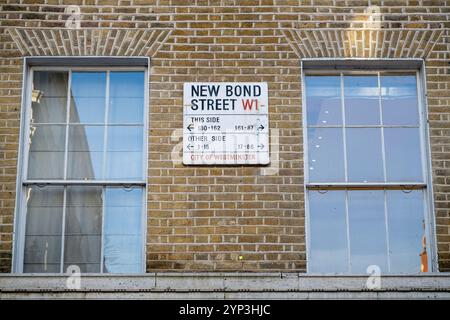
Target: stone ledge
x: 224, y: 286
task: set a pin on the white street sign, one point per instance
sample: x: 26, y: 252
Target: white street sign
x: 225, y: 123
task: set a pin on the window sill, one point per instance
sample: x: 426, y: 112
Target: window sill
x: 208, y: 285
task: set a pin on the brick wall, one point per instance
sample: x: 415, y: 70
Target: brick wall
x: 438, y: 87
x: 226, y: 218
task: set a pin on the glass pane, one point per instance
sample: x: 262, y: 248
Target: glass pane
x: 49, y: 97
x: 88, y: 91
x: 361, y: 96
x: 364, y: 155
x: 124, y: 153
x: 406, y: 229
x: 126, y: 97
x: 124, y: 165
x: 47, y: 143
x: 83, y: 228
x: 399, y: 100
x: 367, y: 230
x: 125, y: 138
x: 123, y: 211
x: 123, y: 254
x: 328, y: 232
x: 326, y: 155
x: 403, y: 156
x: 123, y: 231
x: 85, y: 154
x: 82, y: 251
x: 323, y: 100
x: 43, y: 229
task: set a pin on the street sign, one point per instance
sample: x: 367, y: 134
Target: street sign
x: 225, y: 123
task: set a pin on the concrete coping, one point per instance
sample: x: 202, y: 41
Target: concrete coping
x: 225, y: 281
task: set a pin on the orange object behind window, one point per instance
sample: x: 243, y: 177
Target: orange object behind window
x: 424, y: 256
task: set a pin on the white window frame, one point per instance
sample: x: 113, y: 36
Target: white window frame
x: 69, y: 64
x: 316, y: 66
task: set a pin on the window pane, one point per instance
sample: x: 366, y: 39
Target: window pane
x: 328, y: 232
x: 323, y: 100
x: 85, y: 152
x: 126, y: 97
x: 374, y: 216
x: 364, y: 156
x: 367, y: 230
x: 43, y: 229
x: 123, y: 231
x: 124, y: 153
x: 88, y: 91
x: 123, y: 211
x: 95, y: 150
x: 46, y: 146
x: 399, y: 100
x: 326, y: 154
x: 83, y: 228
x: 361, y: 96
x: 403, y: 156
x: 49, y: 97
x: 123, y: 254
x: 406, y: 229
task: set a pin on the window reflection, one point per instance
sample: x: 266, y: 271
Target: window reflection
x: 124, y: 153
x: 88, y: 91
x: 377, y: 150
x: 406, y: 229
x: 47, y: 144
x: 399, y: 100
x: 94, y: 217
x: 49, y: 97
x: 43, y: 229
x: 126, y: 98
x: 323, y: 95
x: 121, y: 158
x: 386, y: 228
x: 123, y: 226
x: 328, y: 232
x: 326, y: 154
x: 403, y: 156
x: 86, y: 145
x: 97, y: 228
x: 367, y: 227
x: 364, y: 154
x: 83, y: 228
x: 361, y: 99
x: 363, y: 215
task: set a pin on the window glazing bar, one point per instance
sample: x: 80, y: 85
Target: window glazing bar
x: 84, y: 182
x: 105, y: 133
x: 66, y: 143
x: 363, y: 126
x: 344, y: 132
x: 347, y: 229
x: 380, y: 113
x: 338, y: 71
x: 102, y: 238
x: 89, y: 124
x: 371, y: 186
x: 386, y: 226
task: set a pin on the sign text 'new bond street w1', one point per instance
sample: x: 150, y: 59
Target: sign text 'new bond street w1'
x: 225, y: 123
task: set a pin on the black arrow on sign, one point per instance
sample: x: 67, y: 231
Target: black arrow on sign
x: 261, y: 146
x: 261, y: 127
x: 189, y: 146
x: 190, y: 127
